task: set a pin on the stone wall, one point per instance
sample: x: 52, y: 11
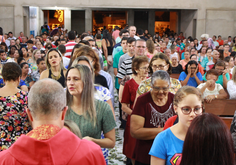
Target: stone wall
x: 7, y: 18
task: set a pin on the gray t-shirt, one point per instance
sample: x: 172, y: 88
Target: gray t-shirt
x: 122, y: 59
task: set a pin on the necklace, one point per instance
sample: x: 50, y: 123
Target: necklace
x: 56, y: 77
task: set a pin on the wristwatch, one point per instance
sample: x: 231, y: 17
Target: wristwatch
x: 215, y: 96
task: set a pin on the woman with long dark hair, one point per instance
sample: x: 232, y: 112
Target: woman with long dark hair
x: 92, y: 116
x: 107, y: 46
x: 208, y: 142
x: 191, y: 76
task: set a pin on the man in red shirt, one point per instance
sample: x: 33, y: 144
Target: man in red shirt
x: 181, y: 36
x: 220, y: 41
x: 70, y: 44
x: 49, y: 143
x: 21, y: 35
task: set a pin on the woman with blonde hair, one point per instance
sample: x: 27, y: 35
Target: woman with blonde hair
x: 150, y: 52
x: 91, y: 115
x: 100, y: 93
x: 55, y: 68
x: 32, y: 62
x: 101, y: 77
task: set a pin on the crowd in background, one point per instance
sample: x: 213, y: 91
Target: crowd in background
x: 156, y: 110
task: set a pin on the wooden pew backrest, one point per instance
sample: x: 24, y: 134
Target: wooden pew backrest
x: 223, y: 108
x: 176, y: 76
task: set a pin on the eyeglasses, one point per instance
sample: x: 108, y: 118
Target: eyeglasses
x: 141, y: 47
x: 193, y: 67
x: 125, y: 35
x: 161, y: 67
x: 144, y: 68
x: 49, y: 47
x: 219, y: 69
x: 187, y: 110
x: 159, y: 88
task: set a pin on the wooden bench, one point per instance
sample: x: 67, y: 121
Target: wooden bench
x: 176, y: 76
x: 223, y: 108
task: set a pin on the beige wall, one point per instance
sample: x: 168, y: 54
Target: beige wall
x: 221, y: 22
x: 7, y: 18
x: 212, y: 15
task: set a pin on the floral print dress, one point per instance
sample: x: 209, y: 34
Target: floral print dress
x: 13, y: 119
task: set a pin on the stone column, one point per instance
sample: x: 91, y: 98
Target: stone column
x: 26, y: 20
x: 88, y: 20
x: 187, y: 22
x: 151, y: 22
x: 130, y: 17
x: 201, y: 22
x: 40, y: 20
x: 18, y: 20
x: 67, y: 19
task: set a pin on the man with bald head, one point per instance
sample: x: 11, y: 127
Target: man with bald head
x: 48, y: 142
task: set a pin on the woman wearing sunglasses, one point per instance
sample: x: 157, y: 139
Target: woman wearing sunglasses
x: 167, y: 146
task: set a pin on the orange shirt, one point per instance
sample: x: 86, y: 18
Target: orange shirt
x: 227, y: 54
x: 200, y: 69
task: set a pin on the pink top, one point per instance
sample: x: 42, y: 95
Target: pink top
x: 183, y: 63
x: 149, y: 55
x: 115, y: 34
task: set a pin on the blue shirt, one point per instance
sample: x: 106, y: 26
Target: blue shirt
x: 192, y: 81
x: 204, y: 62
x: 168, y: 147
x: 182, y: 56
x: 20, y: 84
x: 116, y: 50
x: 181, y: 46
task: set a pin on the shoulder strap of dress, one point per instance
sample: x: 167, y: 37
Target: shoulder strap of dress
x: 62, y: 73
x: 50, y: 72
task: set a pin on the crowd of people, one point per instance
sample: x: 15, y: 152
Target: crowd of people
x: 57, y: 96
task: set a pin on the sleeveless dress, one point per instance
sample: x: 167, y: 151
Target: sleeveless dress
x: 60, y: 78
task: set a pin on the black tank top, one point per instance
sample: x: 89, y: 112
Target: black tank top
x: 60, y: 79
x: 109, y: 48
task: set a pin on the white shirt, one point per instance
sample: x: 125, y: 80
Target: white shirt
x: 207, y: 92
x: 174, y: 55
x: 66, y: 61
x: 11, y: 60
x: 231, y: 88
x: 136, y: 37
x: 231, y: 70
